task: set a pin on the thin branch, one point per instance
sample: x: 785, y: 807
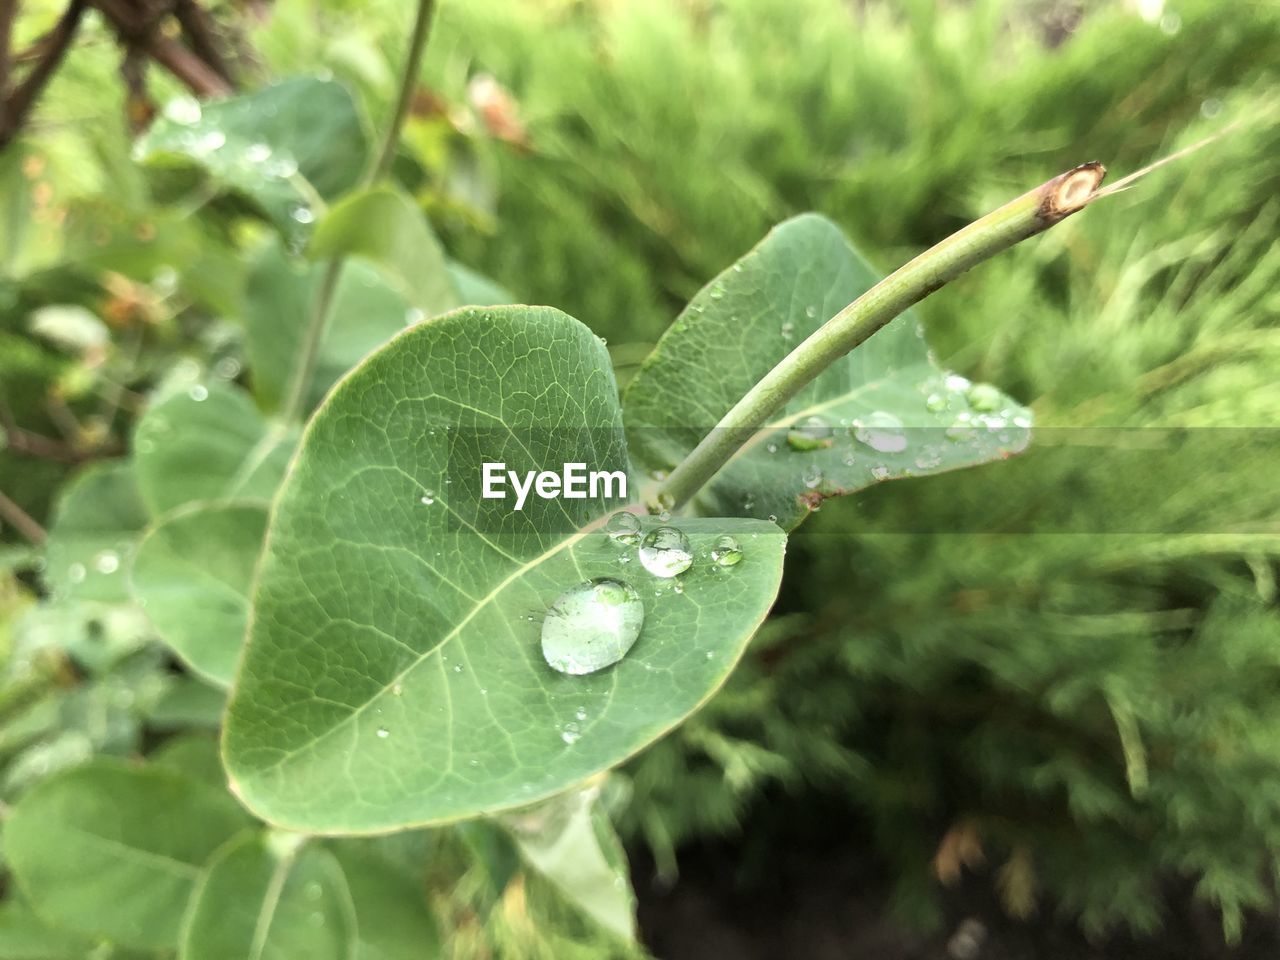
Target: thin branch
x: 21, y: 521
x: 295, y: 399
x: 19, y: 103
x: 1030, y: 214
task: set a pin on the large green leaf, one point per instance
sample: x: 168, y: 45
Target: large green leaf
x: 110, y: 851
x: 366, y: 313
x: 392, y: 915
x: 884, y: 411
x: 192, y: 573
x: 99, y: 518
x: 386, y: 227
x: 24, y: 936
x: 279, y: 147
x: 269, y: 897
x: 208, y: 443
x: 394, y: 674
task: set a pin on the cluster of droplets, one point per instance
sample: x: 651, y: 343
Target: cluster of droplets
x: 977, y: 412
x: 594, y: 624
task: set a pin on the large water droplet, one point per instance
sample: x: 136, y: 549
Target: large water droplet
x: 108, y: 561
x: 726, y: 552
x: 985, y: 398
x: 666, y: 552
x: 811, y: 433
x: 881, y: 432
x: 623, y: 528
x: 592, y: 626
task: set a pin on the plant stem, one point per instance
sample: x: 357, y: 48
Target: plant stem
x: 295, y: 400
x: 21, y: 521
x: 1017, y: 220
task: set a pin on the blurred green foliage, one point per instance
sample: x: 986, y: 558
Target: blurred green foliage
x: 1081, y: 682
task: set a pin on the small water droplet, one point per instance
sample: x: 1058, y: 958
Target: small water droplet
x: 811, y: 433
x: 812, y: 476
x: 302, y: 214
x: 1170, y: 24
x: 257, y: 152
x: 76, y: 573
x: 107, y: 562
x: 383, y: 733
x: 666, y: 552
x: 881, y: 432
x: 228, y: 368
x: 581, y: 713
x: 428, y: 498
x: 984, y: 397
x: 457, y: 668
x: 199, y: 393
x: 313, y: 891
x: 397, y: 689
x: 623, y: 527
x: 956, y: 383
x: 184, y: 110
x: 591, y: 626
x: 717, y: 291
x: 880, y: 472
x: 935, y: 402
x: 788, y: 330
x: 810, y: 311
x: 726, y: 552
x: 570, y: 733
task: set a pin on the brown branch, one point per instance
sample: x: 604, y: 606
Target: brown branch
x: 193, y: 71
x: 21, y: 521
x: 16, y: 106
x: 200, y: 34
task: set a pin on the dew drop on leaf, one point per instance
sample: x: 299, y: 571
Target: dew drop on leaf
x: 881, y: 432
x: 107, y: 562
x: 811, y: 433
x: 726, y: 552
x: 591, y: 626
x: 985, y: 398
x: 383, y: 733
x: 623, y: 528
x: 665, y: 552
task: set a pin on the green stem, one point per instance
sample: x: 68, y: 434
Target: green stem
x: 295, y: 400
x: 1017, y: 220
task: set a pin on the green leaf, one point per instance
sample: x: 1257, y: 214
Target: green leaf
x: 366, y: 313
x: 193, y: 755
x: 747, y: 320
x: 475, y: 289
x: 392, y: 915
x: 278, y: 147
x: 192, y: 572
x: 386, y: 227
x: 570, y: 841
x: 394, y: 674
x: 24, y: 936
x: 188, y: 702
x: 208, y: 443
x: 110, y: 851
x: 269, y: 897
x: 98, y: 520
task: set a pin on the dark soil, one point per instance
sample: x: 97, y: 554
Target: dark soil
x: 824, y: 896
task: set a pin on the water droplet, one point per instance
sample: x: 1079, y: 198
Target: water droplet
x: 771, y: 447
x: 880, y: 472
x: 383, y: 733
x: 76, y: 573
x: 457, y: 668
x: 810, y: 311
x: 935, y: 402
x: 228, y: 368
x: 184, y: 110
x: 570, y: 733
x: 257, y: 153
x: 726, y: 552
x: 581, y: 713
x: 591, y: 626
x: 788, y: 330
x: 665, y: 552
x: 811, y: 433
x: 107, y: 562
x: 812, y: 476
x: 428, y: 498
x: 881, y: 432
x: 623, y: 527
x: 198, y: 393
x: 213, y: 140
x: 312, y: 891
x: 985, y: 397
x: 1170, y: 24
x: 302, y: 214
x: 956, y: 383
x: 397, y: 689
